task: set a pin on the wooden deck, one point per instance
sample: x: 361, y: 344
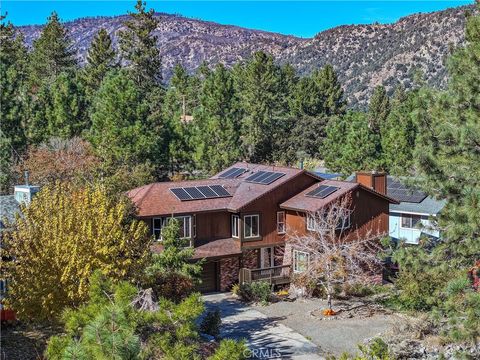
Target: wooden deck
x: 276, y: 275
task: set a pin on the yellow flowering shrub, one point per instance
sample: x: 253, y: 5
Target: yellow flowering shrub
x: 61, y: 238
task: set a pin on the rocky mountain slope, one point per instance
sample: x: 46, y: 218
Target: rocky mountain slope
x: 363, y: 55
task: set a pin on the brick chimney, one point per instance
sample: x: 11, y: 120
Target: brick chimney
x: 373, y: 180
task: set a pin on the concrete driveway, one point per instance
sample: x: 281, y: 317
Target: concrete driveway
x: 266, y: 337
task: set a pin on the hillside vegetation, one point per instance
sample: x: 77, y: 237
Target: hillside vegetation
x: 364, y: 56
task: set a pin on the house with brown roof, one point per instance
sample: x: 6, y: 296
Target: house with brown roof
x: 239, y: 219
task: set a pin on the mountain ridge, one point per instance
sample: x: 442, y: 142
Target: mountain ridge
x: 364, y: 56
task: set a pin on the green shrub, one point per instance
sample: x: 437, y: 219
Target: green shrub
x: 377, y: 349
x: 257, y: 291
x: 261, y: 291
x: 230, y: 350
x: 211, y: 323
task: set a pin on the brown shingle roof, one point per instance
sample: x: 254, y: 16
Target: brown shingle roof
x: 311, y: 204
x: 157, y: 199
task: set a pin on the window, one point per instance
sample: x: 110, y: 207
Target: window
x: 157, y: 228
x: 344, y: 222
x: 281, y: 222
x: 184, y: 222
x: 300, y: 261
x: 235, y: 226
x: 310, y: 222
x: 251, y: 226
x: 410, y: 221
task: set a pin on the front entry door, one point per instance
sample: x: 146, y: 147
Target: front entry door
x: 266, y: 257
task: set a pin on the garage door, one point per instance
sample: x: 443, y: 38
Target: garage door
x: 209, y: 278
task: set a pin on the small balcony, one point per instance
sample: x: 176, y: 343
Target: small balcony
x: 276, y: 275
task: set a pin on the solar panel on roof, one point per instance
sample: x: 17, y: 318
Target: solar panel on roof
x: 397, y: 190
x: 220, y: 190
x: 194, y: 193
x: 205, y: 190
x: 254, y: 177
x: 272, y: 177
x: 232, y: 173
x: 322, y: 191
x: 264, y: 177
x: 181, y: 194
x: 200, y: 192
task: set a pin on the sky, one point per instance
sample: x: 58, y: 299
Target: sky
x: 299, y: 18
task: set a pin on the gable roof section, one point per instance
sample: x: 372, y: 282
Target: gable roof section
x: 157, y: 199
x: 301, y: 202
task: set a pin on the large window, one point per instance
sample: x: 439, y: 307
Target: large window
x: 184, y: 222
x: 300, y: 261
x: 251, y: 226
x: 410, y: 221
x: 281, y: 227
x: 235, y: 226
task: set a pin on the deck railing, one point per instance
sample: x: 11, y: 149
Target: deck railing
x: 273, y: 275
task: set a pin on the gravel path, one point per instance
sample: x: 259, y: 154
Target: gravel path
x: 333, y: 336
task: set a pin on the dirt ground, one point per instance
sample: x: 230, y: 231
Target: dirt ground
x: 354, y: 323
x: 20, y: 342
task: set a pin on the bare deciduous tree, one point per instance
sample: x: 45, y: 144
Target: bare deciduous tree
x: 337, y: 253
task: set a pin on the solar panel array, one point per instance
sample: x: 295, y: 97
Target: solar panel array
x: 264, y: 177
x: 322, y: 191
x: 402, y: 193
x: 200, y: 192
x: 232, y: 173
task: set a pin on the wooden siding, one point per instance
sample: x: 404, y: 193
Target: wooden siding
x: 213, y: 226
x: 370, y: 215
x: 267, y: 207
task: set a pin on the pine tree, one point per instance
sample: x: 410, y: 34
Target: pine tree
x: 65, y: 114
x: 398, y: 133
x: 447, y: 151
x: 217, y: 122
x: 181, y: 101
x: 139, y: 49
x: 13, y: 100
x: 119, y: 133
x: 52, y: 53
x: 350, y: 145
x: 331, y: 90
x: 258, y: 83
x: 101, y: 58
x: 378, y: 109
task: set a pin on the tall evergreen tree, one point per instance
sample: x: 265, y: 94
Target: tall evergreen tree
x: 331, y: 90
x: 181, y: 101
x: 398, y: 133
x: 13, y: 100
x: 52, y: 52
x: 217, y: 122
x: 138, y: 47
x: 258, y: 85
x: 350, y: 145
x: 448, y: 149
x: 378, y: 109
x: 119, y: 133
x: 101, y: 58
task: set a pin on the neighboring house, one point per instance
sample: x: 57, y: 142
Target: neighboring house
x: 239, y: 218
x: 9, y: 208
x: 415, y: 215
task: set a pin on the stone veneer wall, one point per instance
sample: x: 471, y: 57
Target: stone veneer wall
x: 278, y: 255
x: 229, y: 269
x: 250, y: 259
x: 287, y: 255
